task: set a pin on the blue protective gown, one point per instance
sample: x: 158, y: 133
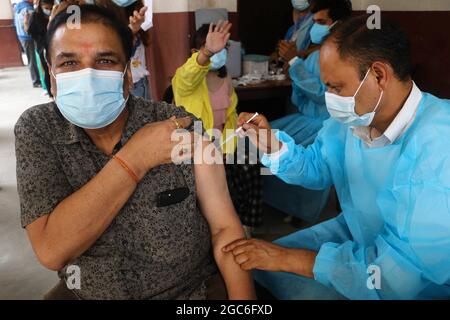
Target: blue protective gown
x: 395, y: 209
x: 302, y: 27
x: 309, y: 97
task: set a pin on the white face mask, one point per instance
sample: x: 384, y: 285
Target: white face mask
x: 343, y: 108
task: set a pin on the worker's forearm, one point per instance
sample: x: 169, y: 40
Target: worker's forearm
x: 239, y: 283
x: 79, y: 220
x: 299, y: 261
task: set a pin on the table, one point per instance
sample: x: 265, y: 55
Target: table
x: 268, y: 97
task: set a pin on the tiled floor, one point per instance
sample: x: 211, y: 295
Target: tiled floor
x: 21, y: 276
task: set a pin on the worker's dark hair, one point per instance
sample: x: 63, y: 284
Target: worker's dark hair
x: 337, y: 9
x: 355, y: 41
x: 199, y: 40
x: 92, y: 14
x: 38, y: 9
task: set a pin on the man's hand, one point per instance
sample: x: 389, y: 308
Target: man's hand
x: 137, y: 19
x: 259, y: 132
x: 218, y: 36
x: 288, y: 50
x: 152, y: 145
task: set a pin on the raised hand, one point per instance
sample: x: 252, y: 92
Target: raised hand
x: 137, y: 19
x: 218, y: 36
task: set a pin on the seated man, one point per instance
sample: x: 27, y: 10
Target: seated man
x: 308, y: 96
x: 98, y: 188
x: 297, y: 40
x: 386, y: 151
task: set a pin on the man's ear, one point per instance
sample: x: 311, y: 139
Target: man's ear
x: 128, y: 81
x: 383, y: 73
x: 52, y: 80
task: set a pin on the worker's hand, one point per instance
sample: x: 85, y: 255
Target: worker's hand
x: 288, y: 50
x: 259, y: 132
x: 257, y: 254
x: 218, y: 36
x: 137, y: 19
x: 152, y: 145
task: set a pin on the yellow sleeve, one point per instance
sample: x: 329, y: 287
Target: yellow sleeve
x: 189, y: 77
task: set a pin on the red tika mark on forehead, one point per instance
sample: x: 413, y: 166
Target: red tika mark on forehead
x: 86, y: 46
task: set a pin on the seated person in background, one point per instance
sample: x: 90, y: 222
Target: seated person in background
x: 98, y: 188
x: 309, y: 97
x: 386, y: 151
x: 297, y: 41
x: 203, y: 87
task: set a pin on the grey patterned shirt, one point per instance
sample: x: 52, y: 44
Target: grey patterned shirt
x: 148, y: 252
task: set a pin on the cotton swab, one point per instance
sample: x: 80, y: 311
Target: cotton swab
x: 239, y: 129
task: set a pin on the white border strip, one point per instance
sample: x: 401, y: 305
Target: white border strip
x: 403, y: 5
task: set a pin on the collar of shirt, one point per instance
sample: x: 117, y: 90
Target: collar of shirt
x: 401, y: 123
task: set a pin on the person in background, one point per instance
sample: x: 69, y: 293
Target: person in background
x: 22, y: 12
x: 309, y: 97
x: 202, y: 86
x: 386, y: 151
x: 297, y: 41
x: 135, y: 12
x: 37, y: 28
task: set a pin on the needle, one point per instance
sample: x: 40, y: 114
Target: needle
x: 239, y: 129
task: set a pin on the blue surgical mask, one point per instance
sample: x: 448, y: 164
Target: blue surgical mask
x: 90, y: 98
x: 47, y: 12
x: 319, y: 32
x: 300, y: 5
x: 343, y: 109
x: 219, y: 60
x: 124, y: 3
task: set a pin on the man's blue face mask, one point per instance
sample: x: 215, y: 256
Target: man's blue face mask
x: 124, y: 3
x: 90, y: 98
x: 319, y: 32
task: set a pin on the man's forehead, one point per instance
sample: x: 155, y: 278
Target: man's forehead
x: 84, y: 40
x: 332, y: 66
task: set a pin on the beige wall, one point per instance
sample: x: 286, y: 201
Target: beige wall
x: 404, y: 5
x: 5, y: 10
x: 166, y: 6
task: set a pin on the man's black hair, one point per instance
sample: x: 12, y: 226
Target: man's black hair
x: 337, y: 9
x: 355, y: 41
x: 199, y: 40
x: 92, y: 13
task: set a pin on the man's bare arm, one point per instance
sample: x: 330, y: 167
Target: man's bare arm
x: 217, y: 207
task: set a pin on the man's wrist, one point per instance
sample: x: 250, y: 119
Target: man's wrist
x: 134, y: 162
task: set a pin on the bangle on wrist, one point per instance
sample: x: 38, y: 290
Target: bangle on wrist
x: 127, y: 168
x: 207, y: 52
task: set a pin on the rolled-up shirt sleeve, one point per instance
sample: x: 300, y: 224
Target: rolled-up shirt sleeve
x: 41, y: 182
